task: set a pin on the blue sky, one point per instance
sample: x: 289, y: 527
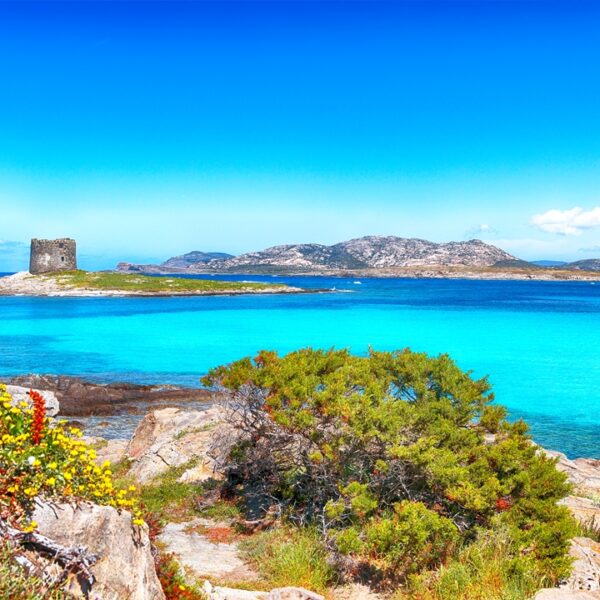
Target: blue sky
x: 148, y: 129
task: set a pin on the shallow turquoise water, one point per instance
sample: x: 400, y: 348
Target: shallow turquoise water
x: 539, y: 342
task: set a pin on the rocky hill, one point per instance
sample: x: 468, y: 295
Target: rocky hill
x: 371, y: 252
x: 590, y: 264
x: 195, y: 258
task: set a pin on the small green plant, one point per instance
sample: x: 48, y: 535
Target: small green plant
x: 591, y: 528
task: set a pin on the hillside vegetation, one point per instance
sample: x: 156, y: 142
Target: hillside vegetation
x: 143, y: 283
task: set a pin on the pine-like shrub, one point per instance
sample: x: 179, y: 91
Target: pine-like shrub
x: 399, y: 459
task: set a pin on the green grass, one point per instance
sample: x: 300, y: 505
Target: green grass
x: 168, y: 499
x: 484, y: 570
x: 290, y: 556
x: 126, y: 282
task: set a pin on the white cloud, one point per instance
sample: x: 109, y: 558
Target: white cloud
x: 483, y: 230
x: 567, y: 222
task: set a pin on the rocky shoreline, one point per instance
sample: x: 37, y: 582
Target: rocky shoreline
x: 172, y: 434
x: 81, y: 398
x: 432, y: 272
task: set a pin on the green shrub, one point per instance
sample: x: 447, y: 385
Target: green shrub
x: 388, y: 455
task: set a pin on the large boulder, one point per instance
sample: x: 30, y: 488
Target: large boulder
x: 172, y: 437
x: 21, y: 394
x: 125, y: 567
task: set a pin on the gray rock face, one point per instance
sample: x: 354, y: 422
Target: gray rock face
x: 21, y: 394
x: 170, y: 438
x: 49, y: 256
x: 125, y: 569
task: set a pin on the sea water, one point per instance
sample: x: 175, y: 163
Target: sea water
x: 539, y: 342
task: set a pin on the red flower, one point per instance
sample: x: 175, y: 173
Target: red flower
x: 39, y: 416
x: 503, y: 504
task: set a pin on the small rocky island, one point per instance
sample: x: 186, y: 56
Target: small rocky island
x: 53, y: 272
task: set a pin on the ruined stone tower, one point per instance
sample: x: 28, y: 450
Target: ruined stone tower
x: 48, y: 256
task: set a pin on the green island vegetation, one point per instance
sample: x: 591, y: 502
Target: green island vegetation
x: 395, y: 469
x: 134, y: 283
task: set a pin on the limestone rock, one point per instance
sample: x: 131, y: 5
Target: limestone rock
x: 585, y: 510
x: 113, y: 451
x: 197, y: 553
x: 293, y: 593
x: 172, y: 437
x: 584, y: 473
x: 125, y: 569
x: 561, y: 594
x: 21, y: 394
x: 224, y: 593
x: 586, y: 565
x: 286, y: 593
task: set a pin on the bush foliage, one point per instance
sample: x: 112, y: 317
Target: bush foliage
x: 399, y: 459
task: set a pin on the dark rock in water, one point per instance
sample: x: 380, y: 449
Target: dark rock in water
x: 79, y: 398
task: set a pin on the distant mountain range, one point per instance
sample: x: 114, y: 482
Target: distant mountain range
x: 361, y: 254
x: 371, y: 252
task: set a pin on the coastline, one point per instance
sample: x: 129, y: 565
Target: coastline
x: 25, y: 284
x: 430, y: 272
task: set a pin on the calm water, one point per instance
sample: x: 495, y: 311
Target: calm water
x: 538, y: 341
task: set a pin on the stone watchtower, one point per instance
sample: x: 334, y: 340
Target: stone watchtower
x: 48, y: 256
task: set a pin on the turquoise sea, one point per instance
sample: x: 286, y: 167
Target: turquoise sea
x: 539, y: 342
